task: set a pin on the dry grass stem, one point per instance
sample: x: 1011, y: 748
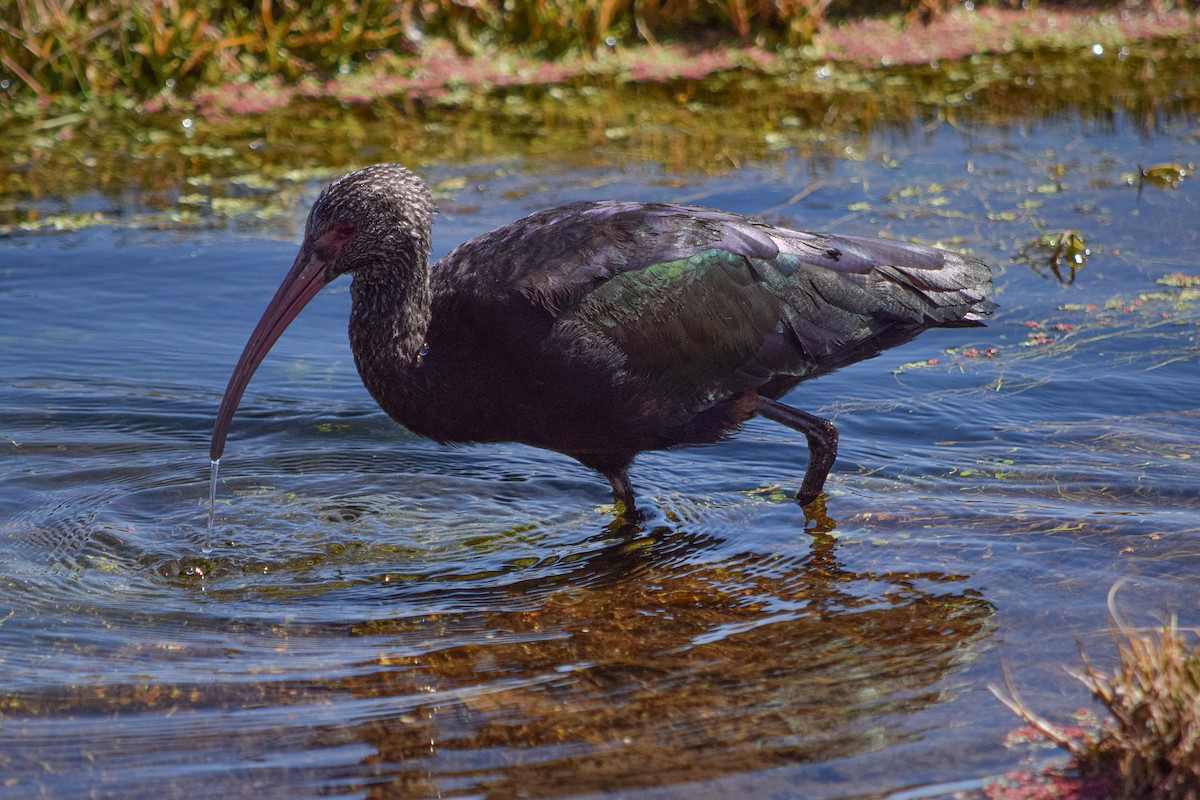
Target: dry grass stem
x: 1150, y: 749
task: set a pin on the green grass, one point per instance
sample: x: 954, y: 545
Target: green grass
x: 139, y: 47
x: 61, y: 55
x: 136, y: 48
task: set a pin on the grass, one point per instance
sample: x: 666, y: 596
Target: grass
x: 1150, y: 749
x: 136, y: 48
x: 96, y: 54
x: 96, y: 47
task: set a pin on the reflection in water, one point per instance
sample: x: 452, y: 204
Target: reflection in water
x: 660, y: 672
x: 637, y: 657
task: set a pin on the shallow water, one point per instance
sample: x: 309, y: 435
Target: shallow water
x: 383, y: 617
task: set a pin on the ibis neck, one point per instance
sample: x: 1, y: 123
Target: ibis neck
x: 389, y: 320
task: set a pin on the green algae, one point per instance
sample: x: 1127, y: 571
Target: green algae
x: 203, y: 165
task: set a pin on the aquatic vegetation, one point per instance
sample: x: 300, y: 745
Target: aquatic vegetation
x: 1061, y: 254
x: 1179, y: 280
x: 177, y: 166
x: 1164, y: 176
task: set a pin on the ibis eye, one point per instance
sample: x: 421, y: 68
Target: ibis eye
x: 328, y: 248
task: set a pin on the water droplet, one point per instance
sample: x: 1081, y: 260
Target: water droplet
x: 213, y: 467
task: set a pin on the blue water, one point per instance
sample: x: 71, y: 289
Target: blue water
x: 383, y: 617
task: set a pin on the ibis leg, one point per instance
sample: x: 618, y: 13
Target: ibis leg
x: 622, y: 488
x: 822, y: 438
x: 615, y: 467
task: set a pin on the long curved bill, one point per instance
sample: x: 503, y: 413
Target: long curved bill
x: 306, y: 277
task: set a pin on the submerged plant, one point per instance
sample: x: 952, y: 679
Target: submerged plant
x: 1150, y: 750
x: 1163, y: 176
x: 1062, y: 254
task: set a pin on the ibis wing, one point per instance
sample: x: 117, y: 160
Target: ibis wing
x: 730, y: 318
x: 705, y: 302
x: 707, y: 324
x: 847, y: 298
x: 553, y: 258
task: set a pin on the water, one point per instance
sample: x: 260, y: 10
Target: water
x: 215, y: 470
x: 373, y: 615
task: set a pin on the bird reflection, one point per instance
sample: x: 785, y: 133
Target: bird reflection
x: 645, y: 665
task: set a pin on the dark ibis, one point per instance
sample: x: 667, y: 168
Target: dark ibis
x: 603, y: 329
